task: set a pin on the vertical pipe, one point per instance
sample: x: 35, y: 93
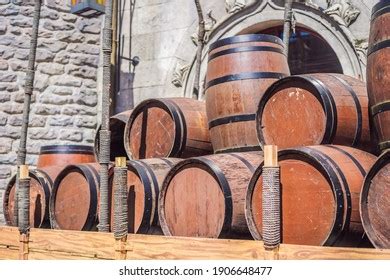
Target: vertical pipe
x: 271, y: 199
x: 287, y: 25
x: 104, y: 158
x: 28, y: 91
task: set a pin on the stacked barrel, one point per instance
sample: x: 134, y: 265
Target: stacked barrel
x: 195, y: 167
x: 374, y: 203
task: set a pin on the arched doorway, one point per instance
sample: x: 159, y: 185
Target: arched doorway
x: 308, y: 52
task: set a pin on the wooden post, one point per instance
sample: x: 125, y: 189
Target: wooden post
x: 271, y: 199
x: 120, y: 208
x: 24, y: 230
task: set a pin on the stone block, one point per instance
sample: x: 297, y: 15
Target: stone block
x: 61, y: 121
x: 43, y: 134
x: 51, y: 69
x: 71, y: 135
x: 46, y: 110
x: 6, y: 145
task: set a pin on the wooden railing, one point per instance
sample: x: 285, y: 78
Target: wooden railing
x: 73, y: 245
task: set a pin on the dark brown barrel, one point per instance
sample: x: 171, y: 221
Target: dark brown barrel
x: 40, y: 187
x: 145, y: 178
x: 62, y: 155
x: 375, y: 203
x: 167, y: 127
x: 117, y: 128
x: 240, y: 69
x: 378, y: 72
x: 205, y: 196
x: 315, y: 109
x: 320, y: 188
x: 74, y: 198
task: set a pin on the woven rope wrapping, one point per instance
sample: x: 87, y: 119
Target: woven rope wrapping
x: 24, y: 205
x: 271, y: 207
x: 29, y: 82
x: 105, y: 131
x: 120, y: 202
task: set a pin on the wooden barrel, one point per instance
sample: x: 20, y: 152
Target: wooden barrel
x: 378, y: 72
x: 375, y: 203
x: 167, y: 127
x: 62, y: 155
x: 144, y: 178
x: 117, y: 128
x: 40, y: 188
x: 74, y: 198
x: 205, y: 196
x: 315, y: 109
x: 240, y: 69
x: 320, y: 188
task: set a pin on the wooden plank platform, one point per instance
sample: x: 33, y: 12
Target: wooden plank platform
x: 73, y: 245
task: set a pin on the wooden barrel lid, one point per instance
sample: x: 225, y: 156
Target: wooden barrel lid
x: 73, y: 204
x: 316, y: 201
x: 40, y: 185
x: 195, y: 200
x: 155, y: 129
x: 375, y: 203
x: 300, y: 107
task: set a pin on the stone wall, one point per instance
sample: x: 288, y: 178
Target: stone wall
x: 64, y: 108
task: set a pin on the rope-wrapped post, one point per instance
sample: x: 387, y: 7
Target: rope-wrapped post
x: 120, y: 207
x: 104, y: 158
x: 28, y: 91
x: 24, y: 200
x: 120, y: 198
x: 271, y: 199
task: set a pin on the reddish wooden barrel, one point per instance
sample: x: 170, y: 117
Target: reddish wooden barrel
x: 240, y: 69
x: 320, y: 188
x: 375, y: 203
x: 62, y: 155
x: 117, y: 128
x: 205, y: 196
x: 378, y: 72
x: 167, y: 127
x: 144, y: 178
x: 315, y: 109
x: 40, y: 187
x: 74, y: 198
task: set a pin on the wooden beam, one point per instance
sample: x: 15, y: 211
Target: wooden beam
x: 270, y: 156
x: 24, y: 173
x: 73, y: 245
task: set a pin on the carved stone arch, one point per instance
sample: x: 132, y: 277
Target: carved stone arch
x: 260, y: 15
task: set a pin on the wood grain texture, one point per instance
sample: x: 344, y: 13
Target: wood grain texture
x: 295, y: 112
x: 75, y: 245
x: 320, y: 188
x: 232, y: 97
x: 205, y: 196
x: 378, y: 78
x: 167, y: 127
x: 62, y: 155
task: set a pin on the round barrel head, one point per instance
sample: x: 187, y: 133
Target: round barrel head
x: 72, y: 202
x: 292, y: 117
x: 307, y: 204
x: 152, y: 133
x: 375, y: 204
x: 194, y: 204
x: 37, y: 203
